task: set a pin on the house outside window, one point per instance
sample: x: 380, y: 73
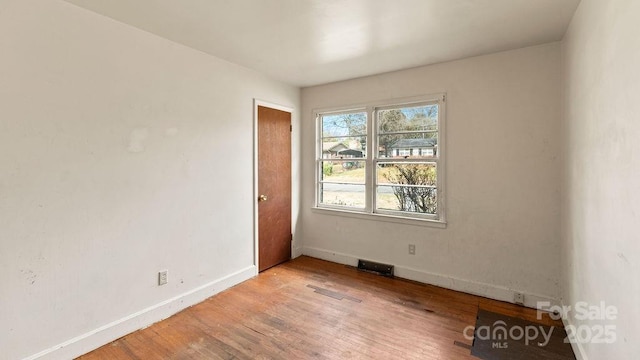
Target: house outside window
x: 384, y: 159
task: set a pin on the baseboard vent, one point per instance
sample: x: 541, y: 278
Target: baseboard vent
x: 376, y: 268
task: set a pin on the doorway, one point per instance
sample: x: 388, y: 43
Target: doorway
x: 273, y: 185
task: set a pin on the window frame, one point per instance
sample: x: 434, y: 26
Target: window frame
x: 372, y: 158
x: 320, y: 159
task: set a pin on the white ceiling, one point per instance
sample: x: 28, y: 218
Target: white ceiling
x: 309, y: 42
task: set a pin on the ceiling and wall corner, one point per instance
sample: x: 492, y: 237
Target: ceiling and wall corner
x: 315, y: 42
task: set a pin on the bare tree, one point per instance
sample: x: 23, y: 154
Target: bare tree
x: 414, y: 198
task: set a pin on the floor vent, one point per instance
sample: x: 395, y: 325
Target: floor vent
x: 376, y: 268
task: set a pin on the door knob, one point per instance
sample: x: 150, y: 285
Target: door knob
x: 262, y: 198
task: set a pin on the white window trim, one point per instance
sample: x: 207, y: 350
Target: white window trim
x: 369, y: 212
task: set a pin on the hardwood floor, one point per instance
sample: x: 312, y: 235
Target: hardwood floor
x: 309, y: 308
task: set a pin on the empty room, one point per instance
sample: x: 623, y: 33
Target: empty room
x: 319, y: 179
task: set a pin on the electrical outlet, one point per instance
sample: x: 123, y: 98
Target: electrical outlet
x: 518, y: 298
x: 412, y: 249
x: 163, y: 277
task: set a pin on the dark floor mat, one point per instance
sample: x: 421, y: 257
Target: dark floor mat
x: 501, y: 337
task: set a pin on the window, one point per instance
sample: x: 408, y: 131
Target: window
x: 383, y: 159
x: 403, y: 152
x: 342, y: 175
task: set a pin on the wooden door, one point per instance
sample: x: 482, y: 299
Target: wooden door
x: 274, y: 187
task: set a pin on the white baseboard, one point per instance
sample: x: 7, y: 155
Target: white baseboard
x: 467, y: 286
x: 103, y: 335
x: 578, y: 350
x: 297, y: 251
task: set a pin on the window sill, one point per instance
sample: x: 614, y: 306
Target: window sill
x: 381, y: 217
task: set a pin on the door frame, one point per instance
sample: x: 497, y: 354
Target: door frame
x: 256, y: 103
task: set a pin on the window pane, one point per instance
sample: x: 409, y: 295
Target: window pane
x: 344, y: 124
x: 415, y: 118
x: 407, y: 187
x: 344, y: 147
x: 343, y: 171
x: 411, y: 199
x: 348, y: 195
x: 412, y: 145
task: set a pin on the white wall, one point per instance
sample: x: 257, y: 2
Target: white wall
x: 601, y: 187
x: 503, y: 177
x: 121, y: 154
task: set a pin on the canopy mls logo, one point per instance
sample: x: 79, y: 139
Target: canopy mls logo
x: 600, y: 329
x: 500, y: 335
x: 599, y: 326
